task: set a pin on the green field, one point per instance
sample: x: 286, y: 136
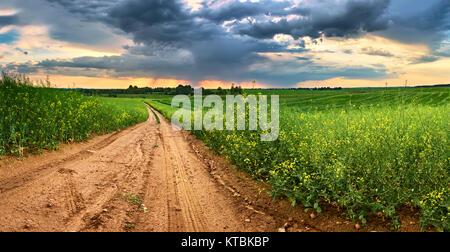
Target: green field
x: 37, y: 118
x: 368, y: 151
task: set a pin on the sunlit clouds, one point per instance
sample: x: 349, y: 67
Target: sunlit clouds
x: 348, y: 43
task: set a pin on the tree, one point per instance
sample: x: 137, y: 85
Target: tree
x: 184, y: 90
x: 235, y: 90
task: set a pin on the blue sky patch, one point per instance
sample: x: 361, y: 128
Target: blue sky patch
x: 9, y: 37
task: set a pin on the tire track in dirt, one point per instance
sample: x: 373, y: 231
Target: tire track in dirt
x: 184, y: 212
x: 144, y: 178
x: 40, y: 171
x: 69, y: 191
x: 195, y: 201
x: 112, y: 212
x: 74, y: 199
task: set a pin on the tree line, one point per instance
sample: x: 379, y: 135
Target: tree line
x: 179, y: 90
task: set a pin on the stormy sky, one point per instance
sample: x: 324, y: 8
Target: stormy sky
x: 112, y: 43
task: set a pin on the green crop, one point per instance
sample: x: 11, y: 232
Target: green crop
x: 369, y: 152
x: 36, y: 118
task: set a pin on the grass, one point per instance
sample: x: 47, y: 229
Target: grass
x: 156, y: 116
x: 320, y: 100
x: 129, y: 226
x: 134, y: 199
x: 162, y: 106
x: 36, y: 118
x: 368, y: 151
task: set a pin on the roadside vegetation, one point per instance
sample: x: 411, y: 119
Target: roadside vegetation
x: 36, y: 118
x: 367, y: 152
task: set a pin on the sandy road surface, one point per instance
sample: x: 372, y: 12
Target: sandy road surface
x: 144, y: 178
x: 150, y: 177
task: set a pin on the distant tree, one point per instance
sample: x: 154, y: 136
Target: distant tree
x: 184, y: 90
x: 235, y: 90
x: 221, y: 91
x: 47, y: 81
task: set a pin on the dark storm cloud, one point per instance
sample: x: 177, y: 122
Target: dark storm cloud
x: 306, y: 71
x: 427, y: 26
x: 437, y: 18
x: 425, y: 59
x: 9, y: 20
x: 215, y: 53
x: 356, y: 17
x: 442, y: 54
x: 21, y: 68
x: 123, y: 66
x: 63, y: 21
x: 165, y: 22
x: 86, y: 8
x: 376, y: 52
x: 172, y: 41
x: 138, y: 15
x: 239, y: 10
x: 235, y: 10
x: 285, y: 73
x: 84, y: 62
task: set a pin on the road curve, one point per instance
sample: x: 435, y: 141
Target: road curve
x: 144, y: 178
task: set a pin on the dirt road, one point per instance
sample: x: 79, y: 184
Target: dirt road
x: 150, y: 177
x: 145, y: 178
